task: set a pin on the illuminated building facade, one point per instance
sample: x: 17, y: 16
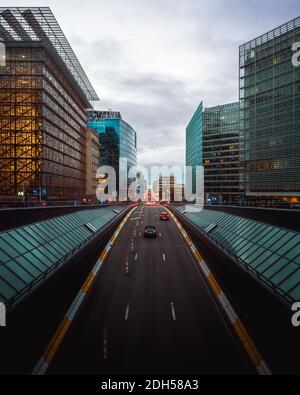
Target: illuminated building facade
x: 92, y: 162
x: 44, y: 97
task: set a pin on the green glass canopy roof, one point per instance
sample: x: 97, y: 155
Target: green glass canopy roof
x: 271, y: 253
x: 30, y: 253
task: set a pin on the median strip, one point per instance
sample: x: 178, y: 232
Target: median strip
x: 43, y: 364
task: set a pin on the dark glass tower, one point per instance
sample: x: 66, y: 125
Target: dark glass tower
x: 221, y: 157
x: 194, y: 138
x: 118, y: 140
x: 270, y: 115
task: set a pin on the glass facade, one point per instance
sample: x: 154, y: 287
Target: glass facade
x: 92, y: 163
x: 21, y: 114
x: 270, y: 114
x: 194, y: 136
x: 221, y: 153
x: 117, y: 140
x: 43, y: 102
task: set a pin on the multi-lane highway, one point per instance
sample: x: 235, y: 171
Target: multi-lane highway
x: 160, y: 319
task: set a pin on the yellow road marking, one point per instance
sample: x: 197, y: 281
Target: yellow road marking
x: 56, y: 340
x: 103, y: 255
x: 214, y: 284
x: 198, y: 256
x: 86, y: 286
x: 248, y: 343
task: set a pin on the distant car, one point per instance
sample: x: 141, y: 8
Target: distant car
x: 164, y: 216
x: 152, y: 204
x: 150, y: 232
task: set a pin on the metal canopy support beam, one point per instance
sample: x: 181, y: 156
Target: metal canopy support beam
x: 5, y: 35
x: 33, y: 24
x: 16, y: 25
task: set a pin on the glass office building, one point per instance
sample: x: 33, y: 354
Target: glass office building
x: 270, y: 115
x: 44, y: 94
x: 194, y: 136
x: 118, y: 140
x: 221, y: 158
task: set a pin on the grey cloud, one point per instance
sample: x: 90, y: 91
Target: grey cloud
x: 204, y: 34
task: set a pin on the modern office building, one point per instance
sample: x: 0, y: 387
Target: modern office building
x: 167, y: 189
x: 44, y: 94
x: 194, y: 136
x: 92, y: 162
x: 212, y: 141
x: 179, y: 190
x: 155, y: 191
x: 221, y: 157
x: 118, y: 143
x: 166, y: 186
x: 270, y: 116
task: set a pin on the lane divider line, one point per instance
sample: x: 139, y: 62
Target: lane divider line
x: 43, y: 364
x: 127, y: 311
x: 245, y: 338
x: 105, y: 343
x: 173, y: 311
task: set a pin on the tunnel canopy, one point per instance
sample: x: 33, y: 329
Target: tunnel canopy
x: 271, y: 253
x: 29, y: 254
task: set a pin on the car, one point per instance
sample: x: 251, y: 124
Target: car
x: 150, y: 232
x: 164, y: 216
x: 152, y: 204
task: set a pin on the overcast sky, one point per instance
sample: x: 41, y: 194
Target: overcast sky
x: 155, y: 60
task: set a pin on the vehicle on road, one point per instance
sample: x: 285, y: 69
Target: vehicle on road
x: 152, y: 204
x: 150, y: 232
x: 164, y: 216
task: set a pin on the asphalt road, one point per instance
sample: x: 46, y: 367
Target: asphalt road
x: 160, y: 319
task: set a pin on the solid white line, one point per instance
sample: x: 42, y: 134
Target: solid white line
x: 40, y: 368
x: 205, y: 268
x: 75, y: 306
x: 127, y: 312
x: 97, y: 268
x: 173, y: 312
x: 164, y: 257
x: 228, y: 309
